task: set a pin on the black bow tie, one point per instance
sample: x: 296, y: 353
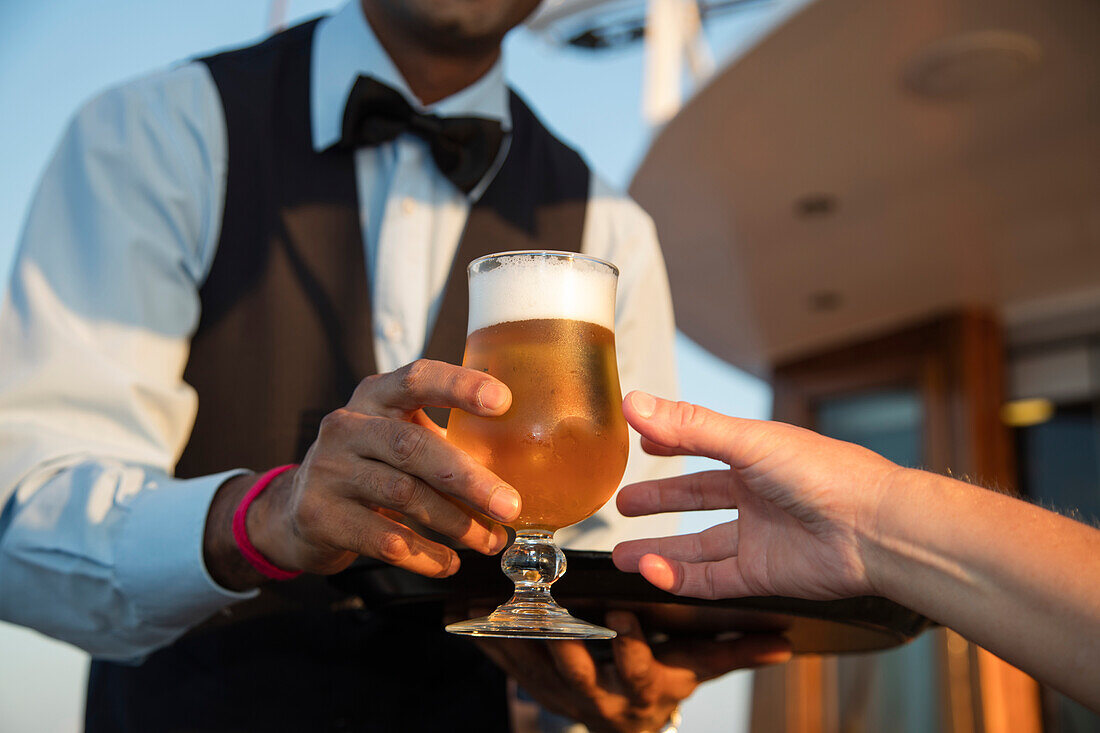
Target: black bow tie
x: 464, y: 148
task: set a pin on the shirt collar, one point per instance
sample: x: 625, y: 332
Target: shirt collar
x: 344, y: 47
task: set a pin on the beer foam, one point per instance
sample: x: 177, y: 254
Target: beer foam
x: 523, y: 287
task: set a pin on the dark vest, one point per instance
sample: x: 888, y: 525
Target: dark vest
x: 284, y: 338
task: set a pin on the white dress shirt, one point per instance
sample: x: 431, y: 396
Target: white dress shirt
x: 99, y: 544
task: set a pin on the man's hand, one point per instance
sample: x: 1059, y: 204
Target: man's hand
x: 376, y: 465
x: 806, y: 505
x: 639, y: 689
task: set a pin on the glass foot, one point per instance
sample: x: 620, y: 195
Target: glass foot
x: 517, y: 622
x: 533, y: 563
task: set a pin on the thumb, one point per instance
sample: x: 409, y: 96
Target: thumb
x: 681, y: 428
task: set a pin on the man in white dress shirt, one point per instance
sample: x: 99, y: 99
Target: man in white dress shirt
x: 202, y: 265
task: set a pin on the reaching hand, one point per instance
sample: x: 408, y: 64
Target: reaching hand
x: 819, y: 518
x: 804, y: 501
x: 640, y: 688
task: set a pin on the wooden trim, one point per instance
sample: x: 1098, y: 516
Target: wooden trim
x: 956, y: 688
x: 798, y: 696
x: 769, y: 699
x: 1008, y: 700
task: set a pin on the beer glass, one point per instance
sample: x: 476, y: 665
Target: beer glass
x: 543, y: 323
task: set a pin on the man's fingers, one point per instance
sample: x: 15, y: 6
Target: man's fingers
x: 415, y: 450
x: 709, y: 659
x: 427, y: 383
x: 390, y: 489
x: 710, y: 545
x: 681, y: 427
x: 530, y: 663
x: 720, y: 579
x: 575, y: 666
x: 368, y: 533
x: 696, y: 491
x: 633, y: 657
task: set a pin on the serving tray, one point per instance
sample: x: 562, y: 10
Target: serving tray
x: 592, y: 586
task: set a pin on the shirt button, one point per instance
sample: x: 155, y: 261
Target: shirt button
x: 408, y: 206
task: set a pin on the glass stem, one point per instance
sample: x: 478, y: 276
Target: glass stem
x: 533, y: 562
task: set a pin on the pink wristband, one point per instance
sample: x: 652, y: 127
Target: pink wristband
x: 240, y: 530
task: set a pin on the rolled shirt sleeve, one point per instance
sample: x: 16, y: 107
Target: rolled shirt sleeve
x: 99, y: 545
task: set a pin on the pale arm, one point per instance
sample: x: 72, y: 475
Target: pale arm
x: 1018, y: 580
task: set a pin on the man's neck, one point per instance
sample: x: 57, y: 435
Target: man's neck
x: 431, y: 74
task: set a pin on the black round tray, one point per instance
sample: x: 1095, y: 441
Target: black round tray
x: 593, y: 586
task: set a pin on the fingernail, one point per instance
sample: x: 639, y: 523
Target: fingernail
x: 492, y: 396
x: 656, y: 570
x: 497, y: 542
x: 450, y: 565
x: 504, y: 503
x: 644, y: 403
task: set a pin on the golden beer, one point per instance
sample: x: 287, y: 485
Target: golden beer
x: 543, y: 323
x: 563, y: 443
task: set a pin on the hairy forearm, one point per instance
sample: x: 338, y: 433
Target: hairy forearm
x: 1018, y: 580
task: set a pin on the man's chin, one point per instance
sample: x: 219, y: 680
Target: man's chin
x: 459, y: 25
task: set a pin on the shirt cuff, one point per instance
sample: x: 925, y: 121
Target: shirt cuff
x: 159, y: 560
